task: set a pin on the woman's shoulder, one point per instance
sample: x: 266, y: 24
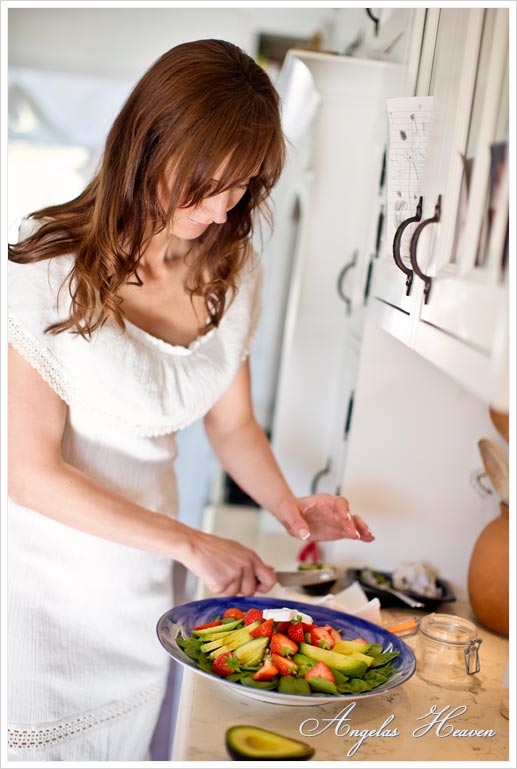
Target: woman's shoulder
x: 251, y: 274
x: 36, y: 289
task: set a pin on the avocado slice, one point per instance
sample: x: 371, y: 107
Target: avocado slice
x: 251, y: 652
x: 252, y: 743
x: 210, y: 633
x: 235, y: 637
x: 347, y: 647
x: 345, y: 663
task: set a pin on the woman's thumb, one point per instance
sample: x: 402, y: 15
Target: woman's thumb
x: 291, y: 517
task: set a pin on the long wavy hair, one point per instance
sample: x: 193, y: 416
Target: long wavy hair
x: 198, y: 105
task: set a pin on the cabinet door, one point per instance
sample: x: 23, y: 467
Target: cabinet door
x: 345, y: 158
x: 464, y: 253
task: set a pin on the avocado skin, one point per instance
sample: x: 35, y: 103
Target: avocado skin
x: 287, y: 749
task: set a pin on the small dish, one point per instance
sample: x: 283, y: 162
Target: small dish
x: 387, y: 599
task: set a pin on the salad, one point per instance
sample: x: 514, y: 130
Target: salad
x: 284, y: 650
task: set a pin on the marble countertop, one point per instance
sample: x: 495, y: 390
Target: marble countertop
x: 414, y: 722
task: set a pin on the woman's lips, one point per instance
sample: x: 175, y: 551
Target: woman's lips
x: 199, y: 224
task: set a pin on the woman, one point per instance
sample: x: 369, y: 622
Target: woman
x: 132, y: 309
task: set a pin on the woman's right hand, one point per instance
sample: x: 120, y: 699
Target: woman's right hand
x: 226, y: 566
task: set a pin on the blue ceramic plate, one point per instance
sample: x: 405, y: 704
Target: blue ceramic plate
x: 181, y: 620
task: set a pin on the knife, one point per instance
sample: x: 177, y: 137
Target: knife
x: 305, y: 576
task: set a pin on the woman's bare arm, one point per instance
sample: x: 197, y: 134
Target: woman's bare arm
x: 245, y: 452
x: 40, y: 479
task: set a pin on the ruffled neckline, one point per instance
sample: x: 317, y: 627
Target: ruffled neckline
x: 171, y: 349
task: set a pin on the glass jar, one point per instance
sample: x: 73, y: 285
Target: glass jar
x: 447, y: 651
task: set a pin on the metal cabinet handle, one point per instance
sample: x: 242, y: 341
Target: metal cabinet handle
x: 340, y: 279
x: 396, y: 246
x: 414, y: 243
x: 319, y: 475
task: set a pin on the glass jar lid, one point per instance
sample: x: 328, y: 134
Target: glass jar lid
x: 448, y: 629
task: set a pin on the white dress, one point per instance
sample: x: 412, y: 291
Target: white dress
x: 86, y: 672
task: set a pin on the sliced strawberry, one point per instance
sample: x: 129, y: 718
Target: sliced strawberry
x: 283, y: 645
x: 295, y: 633
x: 334, y: 633
x: 307, y: 628
x: 284, y: 665
x: 321, y: 637
x: 225, y: 664
x: 233, y: 614
x: 267, y: 671
x: 209, y: 624
x: 321, y: 670
x: 265, y: 630
x: 252, y: 615
x: 282, y: 627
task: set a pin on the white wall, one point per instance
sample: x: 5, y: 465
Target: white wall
x: 123, y: 42
x: 411, y: 464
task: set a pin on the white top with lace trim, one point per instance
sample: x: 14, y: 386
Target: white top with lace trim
x: 82, y: 611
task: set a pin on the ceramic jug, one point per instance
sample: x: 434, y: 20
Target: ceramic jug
x: 488, y: 576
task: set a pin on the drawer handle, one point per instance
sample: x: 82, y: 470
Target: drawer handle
x: 319, y: 475
x: 414, y: 243
x: 396, y: 246
x: 340, y: 279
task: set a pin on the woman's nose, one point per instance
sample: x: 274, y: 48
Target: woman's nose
x: 217, y: 206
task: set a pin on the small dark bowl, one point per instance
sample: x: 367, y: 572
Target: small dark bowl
x: 321, y: 588
x: 387, y: 599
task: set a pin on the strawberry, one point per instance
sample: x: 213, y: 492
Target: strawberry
x: 282, y: 627
x: 321, y: 637
x: 233, y: 614
x: 209, y: 624
x: 284, y: 665
x: 252, y: 615
x: 283, y: 645
x: 265, y: 630
x: 295, y: 633
x: 225, y: 664
x: 307, y: 628
x: 321, y: 670
x: 360, y: 640
x: 334, y: 633
x: 267, y: 671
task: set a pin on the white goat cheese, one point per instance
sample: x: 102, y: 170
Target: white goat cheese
x: 285, y: 615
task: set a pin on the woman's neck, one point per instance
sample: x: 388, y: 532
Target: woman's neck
x: 165, y: 251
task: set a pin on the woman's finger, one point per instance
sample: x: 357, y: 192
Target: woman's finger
x: 265, y: 577
x: 364, y: 531
x: 248, y: 581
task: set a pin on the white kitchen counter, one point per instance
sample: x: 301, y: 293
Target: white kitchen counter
x: 206, y: 709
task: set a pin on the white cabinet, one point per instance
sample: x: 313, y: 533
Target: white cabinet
x: 456, y: 315
x: 348, y: 137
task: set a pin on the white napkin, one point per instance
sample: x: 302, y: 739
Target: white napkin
x: 353, y: 600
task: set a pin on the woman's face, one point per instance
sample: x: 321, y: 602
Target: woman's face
x: 190, y: 222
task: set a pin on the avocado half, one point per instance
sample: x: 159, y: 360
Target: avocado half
x: 251, y: 743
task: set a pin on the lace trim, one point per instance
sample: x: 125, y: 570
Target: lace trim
x: 39, y: 358
x: 50, y: 734
x: 45, y: 364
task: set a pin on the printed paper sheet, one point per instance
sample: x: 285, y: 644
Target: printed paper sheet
x: 409, y: 121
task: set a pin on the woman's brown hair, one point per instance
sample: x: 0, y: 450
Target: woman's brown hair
x: 198, y: 105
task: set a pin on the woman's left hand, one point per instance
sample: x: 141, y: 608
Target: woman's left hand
x: 322, y: 517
